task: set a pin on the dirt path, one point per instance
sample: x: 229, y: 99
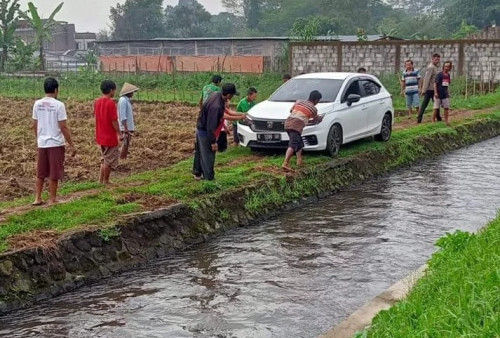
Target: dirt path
x: 455, y: 115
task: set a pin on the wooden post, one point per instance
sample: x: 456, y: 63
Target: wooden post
x: 398, y: 59
x: 340, y: 56
x: 461, y: 58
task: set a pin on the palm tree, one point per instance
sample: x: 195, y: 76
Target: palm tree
x: 8, y: 23
x: 42, y: 27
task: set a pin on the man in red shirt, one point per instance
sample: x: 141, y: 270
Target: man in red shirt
x: 107, y: 130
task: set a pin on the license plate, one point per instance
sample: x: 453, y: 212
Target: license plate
x: 269, y: 137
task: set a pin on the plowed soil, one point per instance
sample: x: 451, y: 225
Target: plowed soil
x: 165, y: 135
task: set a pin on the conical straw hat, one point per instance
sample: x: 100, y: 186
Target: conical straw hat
x: 128, y: 88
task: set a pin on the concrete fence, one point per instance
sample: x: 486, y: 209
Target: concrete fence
x: 476, y: 59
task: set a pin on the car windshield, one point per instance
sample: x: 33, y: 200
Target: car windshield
x: 299, y: 89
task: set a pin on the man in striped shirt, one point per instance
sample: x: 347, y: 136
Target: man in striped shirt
x: 411, y: 86
x: 300, y: 114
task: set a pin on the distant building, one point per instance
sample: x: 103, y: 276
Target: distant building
x: 84, y: 40
x: 244, y: 54
x: 64, y: 37
x: 265, y: 46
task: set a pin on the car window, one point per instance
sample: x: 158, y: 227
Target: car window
x: 352, y: 89
x: 299, y: 89
x: 370, y: 88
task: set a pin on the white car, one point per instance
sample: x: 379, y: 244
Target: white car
x: 353, y: 106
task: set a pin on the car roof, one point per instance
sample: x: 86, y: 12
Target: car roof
x: 330, y: 75
x: 333, y: 75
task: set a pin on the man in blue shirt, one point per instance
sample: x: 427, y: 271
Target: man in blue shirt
x: 126, y: 116
x: 410, y: 87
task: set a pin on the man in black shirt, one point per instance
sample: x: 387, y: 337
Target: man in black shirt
x: 209, y: 126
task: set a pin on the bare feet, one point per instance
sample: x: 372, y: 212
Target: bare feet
x: 287, y: 169
x: 37, y: 203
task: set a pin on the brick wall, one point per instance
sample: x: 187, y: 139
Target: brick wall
x: 476, y: 59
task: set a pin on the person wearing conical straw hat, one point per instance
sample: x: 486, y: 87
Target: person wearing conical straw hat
x: 126, y: 116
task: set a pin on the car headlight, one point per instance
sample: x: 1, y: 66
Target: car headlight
x: 320, y: 118
x: 247, y: 121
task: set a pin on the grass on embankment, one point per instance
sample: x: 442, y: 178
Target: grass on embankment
x: 100, y: 209
x: 458, y: 297
x: 234, y: 168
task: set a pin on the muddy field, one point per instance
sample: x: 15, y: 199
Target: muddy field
x: 165, y: 136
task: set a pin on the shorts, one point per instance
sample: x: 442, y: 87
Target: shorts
x: 445, y: 103
x: 110, y: 156
x: 412, y: 100
x: 50, y: 163
x: 296, y: 142
x: 222, y: 142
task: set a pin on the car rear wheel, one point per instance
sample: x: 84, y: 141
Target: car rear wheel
x: 334, y: 140
x: 386, y: 130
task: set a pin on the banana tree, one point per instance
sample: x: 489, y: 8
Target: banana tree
x: 8, y: 23
x: 42, y: 27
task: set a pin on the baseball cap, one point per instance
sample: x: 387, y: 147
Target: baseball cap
x: 229, y: 88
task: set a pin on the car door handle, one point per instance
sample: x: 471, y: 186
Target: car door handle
x: 381, y: 102
x: 364, y: 107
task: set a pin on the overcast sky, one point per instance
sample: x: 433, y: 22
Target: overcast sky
x: 93, y: 15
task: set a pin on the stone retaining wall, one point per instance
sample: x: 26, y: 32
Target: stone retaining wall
x: 476, y: 59
x: 83, y: 257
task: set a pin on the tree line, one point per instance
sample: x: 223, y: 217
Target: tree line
x: 409, y: 19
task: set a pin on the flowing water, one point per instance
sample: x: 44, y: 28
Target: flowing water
x: 295, y: 276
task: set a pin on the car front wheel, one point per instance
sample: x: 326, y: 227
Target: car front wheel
x: 386, y: 130
x: 334, y: 140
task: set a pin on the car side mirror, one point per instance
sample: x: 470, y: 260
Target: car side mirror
x: 353, y: 98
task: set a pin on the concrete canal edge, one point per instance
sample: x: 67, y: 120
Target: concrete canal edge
x: 362, y: 318
x: 86, y: 256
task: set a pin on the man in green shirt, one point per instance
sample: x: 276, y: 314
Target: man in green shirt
x: 243, y: 107
x: 210, y: 88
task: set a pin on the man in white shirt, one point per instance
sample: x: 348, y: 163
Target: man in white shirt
x: 52, y: 133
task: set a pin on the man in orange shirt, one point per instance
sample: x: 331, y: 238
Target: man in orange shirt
x: 107, y: 130
x: 300, y: 114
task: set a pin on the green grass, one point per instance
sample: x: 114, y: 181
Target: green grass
x: 186, y: 87
x: 161, y: 87
x: 95, y: 210
x: 108, y: 233
x: 66, y: 189
x: 285, y: 192
x: 234, y: 168
x: 458, y: 297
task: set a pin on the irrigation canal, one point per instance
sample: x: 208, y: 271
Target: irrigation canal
x: 294, y: 276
